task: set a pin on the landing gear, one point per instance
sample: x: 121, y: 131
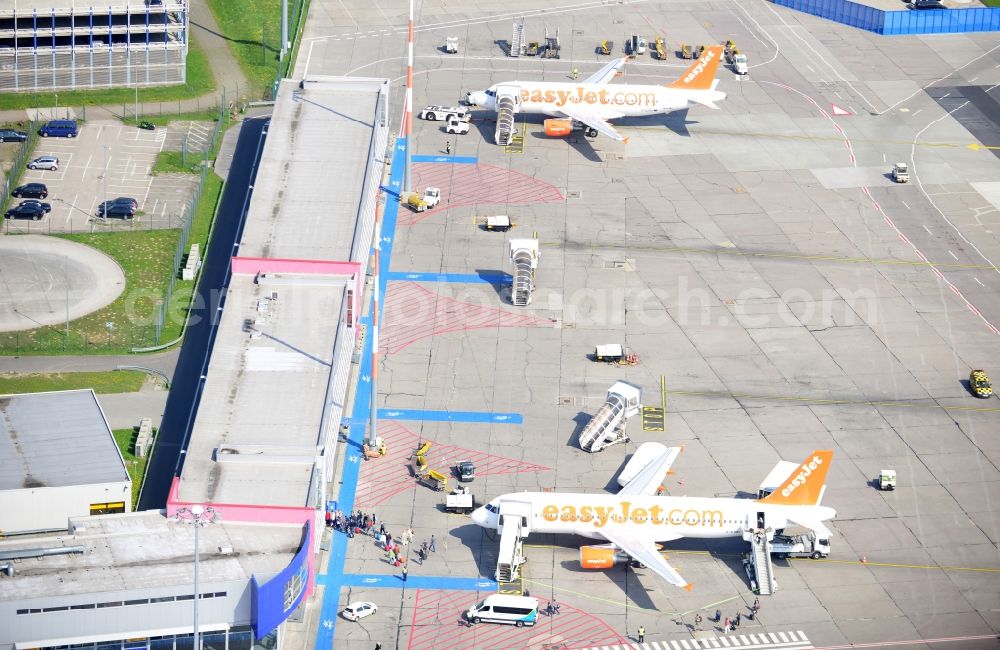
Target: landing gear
x: 590, y: 132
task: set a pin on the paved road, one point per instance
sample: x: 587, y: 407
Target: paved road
x: 163, y: 362
x: 193, y: 361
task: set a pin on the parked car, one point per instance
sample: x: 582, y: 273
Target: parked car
x: 46, y: 207
x: 44, y: 162
x: 927, y: 4
x: 109, y: 209
x: 31, y: 191
x: 10, y: 135
x: 126, y: 200
x: 29, y: 211
x: 357, y: 611
x: 59, y: 129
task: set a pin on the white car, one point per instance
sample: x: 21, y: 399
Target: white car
x: 44, y: 162
x: 434, y: 113
x: 357, y: 611
x: 457, y: 126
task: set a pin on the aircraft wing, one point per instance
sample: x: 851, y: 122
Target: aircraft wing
x: 607, y: 73
x: 644, y: 550
x: 593, y: 121
x: 651, y: 476
x: 811, y: 523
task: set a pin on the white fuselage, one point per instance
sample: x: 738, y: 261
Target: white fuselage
x: 602, y: 100
x: 655, y: 517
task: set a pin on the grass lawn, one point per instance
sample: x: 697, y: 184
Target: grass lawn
x: 199, y: 82
x: 254, y: 30
x: 136, y: 466
x: 118, y: 381
x: 991, y: 3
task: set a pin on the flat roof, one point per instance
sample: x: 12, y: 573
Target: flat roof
x: 257, y: 431
x: 56, y: 439
x: 311, y: 176
x: 144, y: 550
x: 277, y: 380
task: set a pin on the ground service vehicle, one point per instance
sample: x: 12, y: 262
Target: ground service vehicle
x: 466, y: 471
x: 501, y: 608
x: 740, y: 65
x: 900, y: 174
x: 498, y: 223
x: 887, y: 479
x: 606, y: 47
x: 31, y: 190
x: 980, y: 384
x: 457, y: 126
x: 59, y: 129
x: 434, y: 113
x: 359, y: 610
x: 430, y: 198
x: 451, y: 45
x: 807, y: 545
x: 460, y: 500
x: 50, y: 163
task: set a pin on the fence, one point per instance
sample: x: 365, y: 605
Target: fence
x: 164, y: 308
x: 894, y: 23
x: 20, y: 161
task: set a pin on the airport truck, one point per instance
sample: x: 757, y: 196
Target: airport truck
x: 806, y: 545
x: 430, y: 198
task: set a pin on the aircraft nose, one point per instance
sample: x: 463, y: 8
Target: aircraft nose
x: 477, y: 98
x: 479, y: 516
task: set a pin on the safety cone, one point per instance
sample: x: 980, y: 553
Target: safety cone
x: 864, y: 559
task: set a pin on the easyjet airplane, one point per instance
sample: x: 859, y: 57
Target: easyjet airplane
x: 593, y: 102
x: 635, y: 520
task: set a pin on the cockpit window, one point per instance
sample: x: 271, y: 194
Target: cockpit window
x: 491, y: 93
x: 492, y: 508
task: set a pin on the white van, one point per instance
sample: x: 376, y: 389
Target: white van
x: 501, y: 608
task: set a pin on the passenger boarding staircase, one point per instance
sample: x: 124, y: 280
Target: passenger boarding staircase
x: 515, y: 522
x: 508, y: 98
x: 517, y: 38
x: 524, y: 258
x: 607, y: 427
x: 759, y: 559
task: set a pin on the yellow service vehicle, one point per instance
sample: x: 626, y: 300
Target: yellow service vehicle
x: 980, y: 384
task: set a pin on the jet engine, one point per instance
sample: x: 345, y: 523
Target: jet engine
x: 601, y: 557
x: 558, y: 128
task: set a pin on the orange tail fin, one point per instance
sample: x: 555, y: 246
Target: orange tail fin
x: 701, y: 74
x: 805, y: 486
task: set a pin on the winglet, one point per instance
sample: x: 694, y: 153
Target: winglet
x: 805, y: 485
x: 701, y: 74
x: 689, y: 586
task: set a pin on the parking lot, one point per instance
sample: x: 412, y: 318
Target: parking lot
x: 109, y: 159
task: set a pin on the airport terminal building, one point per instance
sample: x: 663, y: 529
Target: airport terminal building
x: 265, y: 441
x: 52, y: 45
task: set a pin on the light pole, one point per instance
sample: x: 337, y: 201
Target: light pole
x: 107, y: 157
x: 196, y: 516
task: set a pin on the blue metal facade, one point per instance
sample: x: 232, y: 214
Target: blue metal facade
x: 898, y: 23
x: 273, y: 601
